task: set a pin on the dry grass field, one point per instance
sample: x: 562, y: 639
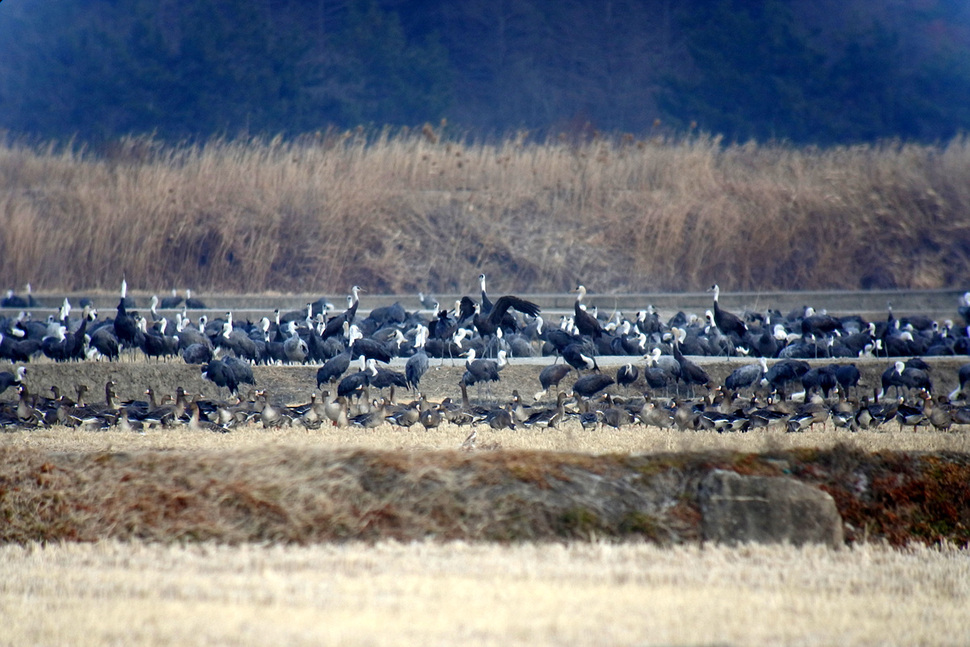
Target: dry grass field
x: 398, y: 213
x: 431, y: 593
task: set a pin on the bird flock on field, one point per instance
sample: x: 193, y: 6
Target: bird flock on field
x: 779, y: 380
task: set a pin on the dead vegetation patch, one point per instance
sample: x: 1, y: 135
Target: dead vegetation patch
x: 303, y: 496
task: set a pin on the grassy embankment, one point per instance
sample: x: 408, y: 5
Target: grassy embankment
x: 299, y: 487
x: 407, y: 212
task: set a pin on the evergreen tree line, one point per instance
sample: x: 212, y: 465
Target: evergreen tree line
x: 810, y: 73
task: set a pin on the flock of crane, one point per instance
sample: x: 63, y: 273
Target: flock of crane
x: 660, y: 386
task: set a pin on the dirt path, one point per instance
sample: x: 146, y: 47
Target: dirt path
x: 293, y: 384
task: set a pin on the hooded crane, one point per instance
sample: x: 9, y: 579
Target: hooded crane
x: 586, y: 323
x: 356, y: 383
x: 589, y: 385
x: 295, y: 347
x: 172, y: 302
x: 486, y: 302
x: 661, y: 369
x: 488, y: 323
x: 690, y: 372
x: 336, y: 324
x: 627, y: 375
x: 550, y: 377
x: 482, y: 370
x: 479, y: 371
x: 333, y: 368
x: 417, y: 364
x: 746, y: 376
x: 221, y: 375
x: 783, y: 373
x: 727, y: 322
x: 193, y: 303
x: 369, y: 348
x: 126, y: 329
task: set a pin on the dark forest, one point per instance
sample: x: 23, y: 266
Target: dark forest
x: 821, y: 73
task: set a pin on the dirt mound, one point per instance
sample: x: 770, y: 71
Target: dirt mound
x: 301, y: 496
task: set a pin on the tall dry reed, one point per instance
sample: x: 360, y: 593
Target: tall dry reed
x: 405, y: 212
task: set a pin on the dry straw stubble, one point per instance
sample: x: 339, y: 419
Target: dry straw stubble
x: 529, y: 594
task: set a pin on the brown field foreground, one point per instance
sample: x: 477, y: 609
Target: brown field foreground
x: 398, y: 213
x: 429, y: 593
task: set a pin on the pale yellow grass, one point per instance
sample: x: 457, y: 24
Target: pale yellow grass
x: 403, y: 212
x: 569, y: 438
x: 471, y: 594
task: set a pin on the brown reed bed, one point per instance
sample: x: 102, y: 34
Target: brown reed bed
x: 409, y: 211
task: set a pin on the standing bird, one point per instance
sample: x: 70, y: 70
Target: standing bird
x: 221, y: 375
x: 57, y: 346
x: 478, y: 371
x: 333, y: 369
x: 486, y: 302
x: 428, y: 302
x: 13, y: 301
x: 580, y: 356
x: 386, y: 378
x: 659, y: 375
x: 356, y: 383
x: 417, y: 364
x: 430, y: 418
x: 908, y: 376
x: 242, y: 371
x: 820, y: 378
x: 105, y: 342
x: 783, y: 373
x: 848, y: 376
x: 589, y: 385
x: 172, y: 302
x: 586, y: 323
x: 627, y: 375
x: 196, y: 354
x: 367, y: 346
x: 500, y: 418
x: 550, y: 377
x: 126, y: 329
x: 746, y: 376
x: 690, y: 372
x: 336, y: 324
x: 192, y: 303
x: 727, y: 322
x: 18, y: 350
x: 295, y: 348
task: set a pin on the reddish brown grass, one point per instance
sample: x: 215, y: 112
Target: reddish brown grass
x: 303, y: 495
